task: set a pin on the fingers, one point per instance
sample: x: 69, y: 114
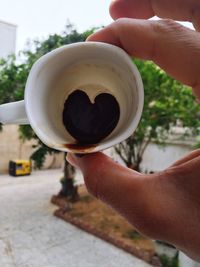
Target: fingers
x: 158, y: 205
x: 140, y: 9
x: 192, y: 155
x: 183, y: 10
x: 120, y: 187
x: 173, y: 47
x: 144, y: 200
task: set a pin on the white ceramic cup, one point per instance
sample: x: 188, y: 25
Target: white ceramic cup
x: 90, y: 66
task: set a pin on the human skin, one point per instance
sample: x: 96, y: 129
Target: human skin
x: 163, y: 205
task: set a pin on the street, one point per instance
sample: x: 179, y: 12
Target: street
x: 30, y: 236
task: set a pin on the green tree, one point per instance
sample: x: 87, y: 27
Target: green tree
x: 14, y: 73
x: 166, y: 102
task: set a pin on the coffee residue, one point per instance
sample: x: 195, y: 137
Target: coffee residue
x: 89, y: 122
x: 77, y: 148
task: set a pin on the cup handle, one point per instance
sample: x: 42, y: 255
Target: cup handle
x: 13, y: 113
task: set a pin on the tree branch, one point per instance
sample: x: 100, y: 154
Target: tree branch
x: 118, y: 150
x: 144, y: 147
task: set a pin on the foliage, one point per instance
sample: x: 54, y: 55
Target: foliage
x: 14, y: 73
x: 166, y: 103
x: 198, y: 142
x: 169, y: 262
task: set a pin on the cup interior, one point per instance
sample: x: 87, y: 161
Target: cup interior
x: 93, y: 68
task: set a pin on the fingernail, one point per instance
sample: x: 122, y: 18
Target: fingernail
x: 71, y: 158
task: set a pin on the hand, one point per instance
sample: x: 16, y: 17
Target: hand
x: 164, y: 205
x: 173, y: 47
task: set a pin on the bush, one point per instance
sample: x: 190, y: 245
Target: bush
x: 169, y: 262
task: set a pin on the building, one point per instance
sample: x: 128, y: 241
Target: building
x: 8, y: 38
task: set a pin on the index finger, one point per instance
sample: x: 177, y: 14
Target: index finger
x: 182, y: 10
x: 171, y: 46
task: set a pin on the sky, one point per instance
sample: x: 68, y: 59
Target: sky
x: 39, y: 18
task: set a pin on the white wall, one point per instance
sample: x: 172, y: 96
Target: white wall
x: 157, y: 158
x: 184, y: 261
x: 7, y: 39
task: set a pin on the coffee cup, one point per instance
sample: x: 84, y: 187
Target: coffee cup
x: 92, y: 68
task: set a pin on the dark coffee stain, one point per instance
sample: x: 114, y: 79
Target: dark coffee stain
x: 88, y: 122
x: 79, y: 147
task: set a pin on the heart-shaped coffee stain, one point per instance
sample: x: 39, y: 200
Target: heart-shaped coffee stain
x: 89, y: 122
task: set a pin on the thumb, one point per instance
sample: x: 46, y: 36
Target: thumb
x: 123, y: 189
x: 103, y: 176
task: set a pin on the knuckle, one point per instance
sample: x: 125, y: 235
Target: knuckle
x: 166, y: 26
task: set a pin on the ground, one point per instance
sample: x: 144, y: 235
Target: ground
x: 93, y: 212
x: 30, y: 236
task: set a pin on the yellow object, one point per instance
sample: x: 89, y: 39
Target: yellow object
x: 19, y: 167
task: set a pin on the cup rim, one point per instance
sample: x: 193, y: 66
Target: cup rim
x: 104, y: 144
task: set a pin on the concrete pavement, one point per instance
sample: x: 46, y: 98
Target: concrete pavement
x: 30, y: 236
